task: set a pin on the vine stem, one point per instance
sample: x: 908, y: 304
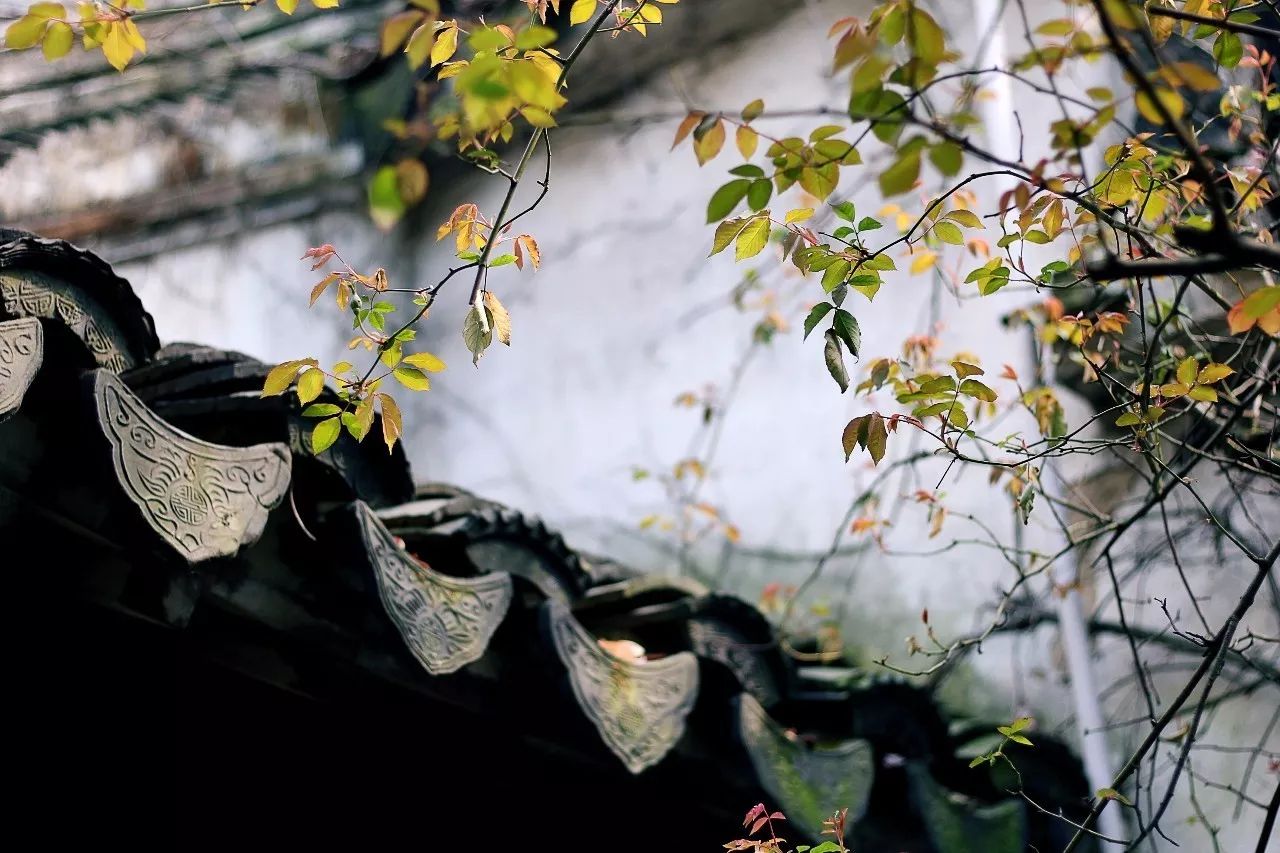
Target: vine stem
x: 513, y: 180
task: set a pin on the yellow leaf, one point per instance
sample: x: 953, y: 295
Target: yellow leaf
x: 412, y: 180
x: 412, y: 378
x: 1171, y: 101
x: 134, y: 37
x: 48, y: 10
x: 708, y: 145
x: 310, y: 384
x: 1214, y: 372
x: 686, y: 126
x: 537, y: 116
x: 747, y: 140
x: 322, y: 286
x: 500, y: 318
x: 753, y: 237
x: 58, y: 40
x: 396, y: 30
x: 1187, y: 370
x: 1192, y: 75
x: 419, y: 46
x: 325, y: 4
x: 425, y: 361
x: 529, y: 246
x: 582, y: 11
x: 116, y: 46
x: 446, y: 44
x: 280, y: 377
x: 799, y: 215
x: 923, y: 261
x: 392, y: 424
x: 25, y: 32
x: 288, y: 7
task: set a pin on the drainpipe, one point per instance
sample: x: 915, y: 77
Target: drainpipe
x: 997, y: 116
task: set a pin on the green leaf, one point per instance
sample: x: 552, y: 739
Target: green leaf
x: 1228, y: 49
x: 324, y: 435
x: 477, y: 333
x: 321, y: 410
x: 868, y: 224
x: 845, y: 325
x: 385, y: 205
x: 948, y: 233
x: 759, y: 193
x: 947, y: 158
x: 925, y: 37
x: 754, y: 237
x: 901, y: 176
x: 752, y: 111
x: 834, y: 275
x: 819, y: 311
x: 835, y: 361
x: 725, y: 199
x: 1128, y: 419
x: 976, y: 389
x: 534, y: 37
x: 1113, y: 794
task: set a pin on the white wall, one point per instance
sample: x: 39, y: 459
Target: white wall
x: 626, y: 314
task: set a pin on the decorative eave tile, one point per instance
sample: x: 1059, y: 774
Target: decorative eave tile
x: 205, y: 500
x: 808, y: 785
x: 21, y: 351
x: 638, y: 708
x: 446, y: 622
x: 953, y: 822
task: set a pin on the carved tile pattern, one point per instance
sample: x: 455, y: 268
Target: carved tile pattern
x: 807, y: 784
x: 35, y: 295
x: 206, y: 500
x: 716, y: 643
x: 21, y: 351
x: 445, y: 621
x: 639, y: 709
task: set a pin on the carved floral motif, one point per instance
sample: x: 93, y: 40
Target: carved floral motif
x: 445, y: 621
x: 638, y: 708
x: 206, y: 500
x: 21, y: 351
x: 36, y: 295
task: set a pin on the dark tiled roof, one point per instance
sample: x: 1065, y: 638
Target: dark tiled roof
x: 171, y: 491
